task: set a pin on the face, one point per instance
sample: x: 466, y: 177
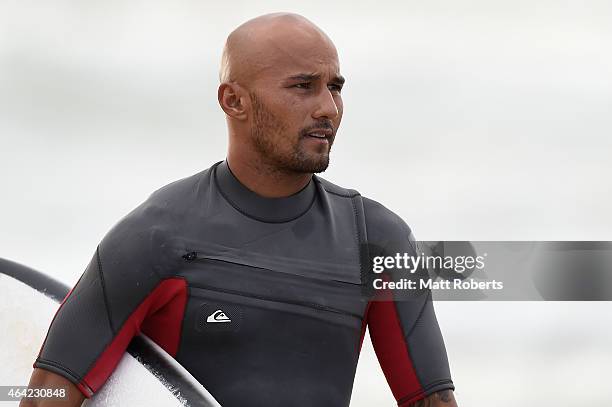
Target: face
x: 296, y: 108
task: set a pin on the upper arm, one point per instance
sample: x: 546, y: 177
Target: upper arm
x: 409, y: 346
x: 119, y: 294
x: 402, y: 324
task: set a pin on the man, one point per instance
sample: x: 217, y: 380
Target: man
x: 253, y: 273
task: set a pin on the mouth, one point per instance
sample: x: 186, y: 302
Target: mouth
x: 323, y: 135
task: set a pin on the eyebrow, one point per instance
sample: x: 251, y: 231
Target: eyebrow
x: 339, y: 79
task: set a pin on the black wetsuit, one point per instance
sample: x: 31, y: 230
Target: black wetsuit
x: 263, y: 300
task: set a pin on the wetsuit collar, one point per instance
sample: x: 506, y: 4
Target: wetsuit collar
x: 272, y: 210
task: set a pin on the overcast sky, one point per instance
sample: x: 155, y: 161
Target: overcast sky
x: 480, y: 120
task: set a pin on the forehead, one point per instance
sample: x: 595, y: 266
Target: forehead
x: 296, y: 53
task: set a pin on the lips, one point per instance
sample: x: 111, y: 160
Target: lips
x: 321, y: 134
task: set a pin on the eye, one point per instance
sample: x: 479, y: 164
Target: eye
x: 335, y: 88
x: 302, y: 85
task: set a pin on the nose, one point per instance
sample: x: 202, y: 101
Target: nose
x: 326, y: 106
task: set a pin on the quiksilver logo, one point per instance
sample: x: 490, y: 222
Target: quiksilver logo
x: 218, y: 316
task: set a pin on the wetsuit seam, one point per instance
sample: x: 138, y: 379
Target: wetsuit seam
x: 424, y: 389
x: 358, y: 238
x: 405, y: 341
x: 310, y: 305
x: 184, y: 318
x: 421, y: 312
x: 341, y: 194
x: 364, y: 324
x: 93, y: 362
x: 101, y: 276
x: 271, y: 270
x: 65, y: 300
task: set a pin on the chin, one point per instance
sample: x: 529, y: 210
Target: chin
x: 319, y: 166
x: 309, y: 166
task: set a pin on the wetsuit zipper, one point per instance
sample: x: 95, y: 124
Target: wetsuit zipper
x: 191, y: 257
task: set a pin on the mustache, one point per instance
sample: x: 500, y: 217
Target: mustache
x: 323, y: 124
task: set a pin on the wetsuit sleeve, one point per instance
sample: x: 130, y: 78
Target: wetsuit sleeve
x: 410, y: 349
x: 405, y: 332
x: 122, y: 291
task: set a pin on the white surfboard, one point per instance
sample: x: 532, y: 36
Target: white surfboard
x: 146, y: 375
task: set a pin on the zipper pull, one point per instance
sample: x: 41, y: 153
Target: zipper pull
x: 191, y: 256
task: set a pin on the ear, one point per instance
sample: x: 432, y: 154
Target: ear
x: 233, y: 100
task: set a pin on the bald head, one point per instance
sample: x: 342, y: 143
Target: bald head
x: 266, y: 41
x: 280, y: 90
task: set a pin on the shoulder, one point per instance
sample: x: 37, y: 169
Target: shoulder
x: 145, y: 231
x: 331, y: 188
x: 180, y: 194
x: 384, y: 227
x: 380, y: 217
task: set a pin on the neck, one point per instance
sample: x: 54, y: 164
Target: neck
x: 265, y: 180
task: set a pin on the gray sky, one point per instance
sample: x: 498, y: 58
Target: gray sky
x: 480, y: 120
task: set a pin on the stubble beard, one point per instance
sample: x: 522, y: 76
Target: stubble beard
x: 266, y: 129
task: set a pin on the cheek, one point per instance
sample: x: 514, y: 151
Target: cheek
x: 286, y: 120
x: 293, y: 113
x: 276, y: 113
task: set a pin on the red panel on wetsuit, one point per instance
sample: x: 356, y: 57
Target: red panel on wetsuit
x: 164, y: 326
x: 165, y: 305
x: 392, y: 351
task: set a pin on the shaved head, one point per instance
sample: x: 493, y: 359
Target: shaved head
x: 280, y: 89
x: 260, y: 42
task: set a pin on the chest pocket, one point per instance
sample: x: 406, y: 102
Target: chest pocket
x: 272, y: 282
